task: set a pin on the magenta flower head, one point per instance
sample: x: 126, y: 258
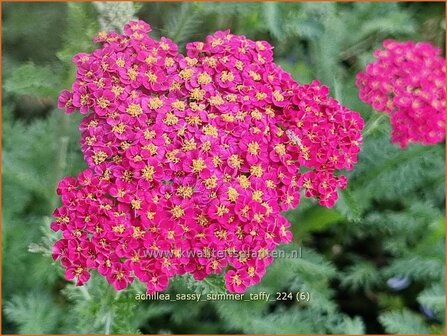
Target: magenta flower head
x: 191, y: 159
x: 407, y: 81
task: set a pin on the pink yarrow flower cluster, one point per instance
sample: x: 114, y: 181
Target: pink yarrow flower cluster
x: 196, y: 153
x: 407, y: 81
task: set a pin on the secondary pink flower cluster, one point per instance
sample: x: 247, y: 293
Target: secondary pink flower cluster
x: 191, y: 159
x: 407, y: 81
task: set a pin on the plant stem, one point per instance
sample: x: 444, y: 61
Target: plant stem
x: 371, y: 126
x: 108, y: 324
x: 85, y: 292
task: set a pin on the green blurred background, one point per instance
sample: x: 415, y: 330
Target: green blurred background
x: 373, y: 264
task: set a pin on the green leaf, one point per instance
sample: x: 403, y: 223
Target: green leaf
x: 183, y: 23
x: 82, y: 26
x: 386, y: 172
x: 360, y: 275
x: 350, y: 326
x: 392, y: 23
x: 34, y: 313
x: 403, y: 322
x: 30, y: 79
x: 348, y: 206
x: 417, y: 267
x: 211, y: 284
x: 434, y: 299
x: 248, y: 317
x: 273, y: 19
x: 97, y: 307
x: 311, y: 263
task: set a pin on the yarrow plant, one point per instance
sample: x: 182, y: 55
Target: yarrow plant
x: 197, y: 153
x: 407, y: 81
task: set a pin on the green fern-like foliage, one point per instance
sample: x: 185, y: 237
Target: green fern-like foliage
x: 404, y: 322
x: 183, y: 23
x: 35, y: 313
x: 388, y: 225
